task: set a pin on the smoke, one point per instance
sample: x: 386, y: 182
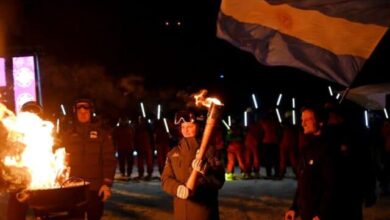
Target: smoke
x: 63, y: 83
x: 132, y: 85
x: 168, y: 97
x: 186, y: 98
x: 114, y: 97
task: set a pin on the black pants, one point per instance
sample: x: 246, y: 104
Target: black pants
x: 125, y: 159
x: 93, y: 208
x: 271, y: 159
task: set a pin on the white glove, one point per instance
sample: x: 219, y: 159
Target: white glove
x: 182, y: 192
x: 199, y: 166
x: 105, y: 191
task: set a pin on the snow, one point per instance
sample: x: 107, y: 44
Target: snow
x: 240, y: 199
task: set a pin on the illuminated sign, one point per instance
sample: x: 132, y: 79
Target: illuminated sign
x: 2, y: 72
x: 24, y: 80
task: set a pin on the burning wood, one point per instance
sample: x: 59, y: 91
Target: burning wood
x: 29, y: 152
x: 214, y: 106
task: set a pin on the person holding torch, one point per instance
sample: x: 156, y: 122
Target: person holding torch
x: 193, y: 198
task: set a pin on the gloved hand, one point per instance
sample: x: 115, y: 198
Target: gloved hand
x: 182, y: 192
x: 105, y: 191
x: 199, y: 166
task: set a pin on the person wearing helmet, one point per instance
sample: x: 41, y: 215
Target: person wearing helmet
x: 33, y: 107
x: 91, y: 157
x: 202, y: 203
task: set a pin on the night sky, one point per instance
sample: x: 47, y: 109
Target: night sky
x: 170, y: 44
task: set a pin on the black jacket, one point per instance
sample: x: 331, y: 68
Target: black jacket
x: 355, y: 177
x: 315, y: 178
x: 91, y: 153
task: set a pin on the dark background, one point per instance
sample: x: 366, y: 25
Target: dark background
x: 170, y: 45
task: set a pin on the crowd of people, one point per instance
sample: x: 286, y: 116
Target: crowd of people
x: 332, y: 158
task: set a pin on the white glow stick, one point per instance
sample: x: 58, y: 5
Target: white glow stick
x: 143, y: 109
x: 330, y: 91
x: 278, y: 114
x: 166, y: 125
x: 245, y: 119
x: 226, y: 125
x: 254, y: 101
x: 279, y: 99
x: 158, y: 111
x: 63, y: 109
x: 293, y: 103
x: 294, y: 120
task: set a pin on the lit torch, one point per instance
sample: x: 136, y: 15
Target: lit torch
x: 214, y: 106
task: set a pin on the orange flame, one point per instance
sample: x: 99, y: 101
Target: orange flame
x: 200, y: 99
x: 35, y: 134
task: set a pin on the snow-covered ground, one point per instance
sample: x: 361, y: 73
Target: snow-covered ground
x: 240, y: 199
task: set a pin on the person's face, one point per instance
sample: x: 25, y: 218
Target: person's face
x: 309, y: 122
x: 188, y: 129
x: 83, y: 112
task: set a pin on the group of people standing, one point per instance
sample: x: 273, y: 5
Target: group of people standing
x: 333, y: 164
x: 145, y: 139
x: 334, y: 171
x: 263, y: 143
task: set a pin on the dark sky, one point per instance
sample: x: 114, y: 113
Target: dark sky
x: 170, y: 43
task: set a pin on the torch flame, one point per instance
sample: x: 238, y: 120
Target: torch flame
x: 200, y: 99
x: 29, y: 130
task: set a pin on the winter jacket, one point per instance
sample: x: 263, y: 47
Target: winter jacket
x: 203, y: 203
x: 316, y: 179
x: 91, y: 154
